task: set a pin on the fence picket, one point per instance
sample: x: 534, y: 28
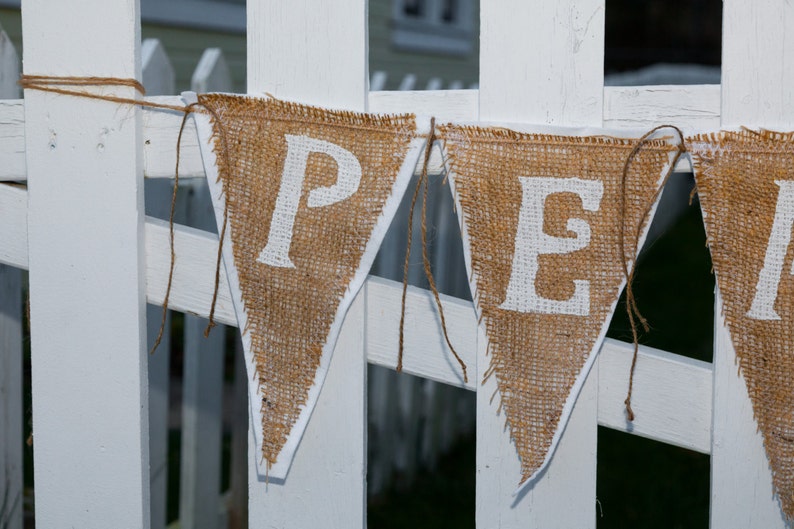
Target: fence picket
x: 158, y: 79
x: 326, y: 486
x: 11, y: 407
x: 85, y: 229
x: 519, y: 80
x: 756, y: 80
x: 202, y: 389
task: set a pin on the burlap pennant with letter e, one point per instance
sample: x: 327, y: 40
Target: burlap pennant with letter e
x: 746, y: 185
x: 542, y: 219
x: 309, y: 194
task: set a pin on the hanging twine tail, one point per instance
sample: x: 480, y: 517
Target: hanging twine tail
x: 632, y: 310
x: 423, y: 184
x: 55, y: 84
x: 163, y: 321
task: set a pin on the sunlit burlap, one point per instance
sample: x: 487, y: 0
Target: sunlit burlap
x: 739, y: 179
x: 292, y: 313
x: 540, y: 360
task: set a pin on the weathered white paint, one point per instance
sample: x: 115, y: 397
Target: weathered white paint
x: 757, y: 76
x: 691, y: 107
x: 316, y: 52
x: 158, y: 79
x: 309, y: 51
x: 540, y: 62
x: 90, y: 394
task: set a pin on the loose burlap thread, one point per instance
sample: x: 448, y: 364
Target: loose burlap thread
x: 735, y: 174
x: 538, y: 359
x: 290, y: 310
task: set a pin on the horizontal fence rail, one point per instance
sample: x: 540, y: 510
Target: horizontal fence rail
x: 695, y: 107
x: 673, y: 391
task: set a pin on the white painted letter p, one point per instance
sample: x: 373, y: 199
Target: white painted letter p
x: 276, y: 251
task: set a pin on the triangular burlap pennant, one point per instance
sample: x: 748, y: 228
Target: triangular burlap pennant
x: 542, y: 217
x: 746, y: 185
x: 309, y: 194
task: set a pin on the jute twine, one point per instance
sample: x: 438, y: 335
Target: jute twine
x: 55, y: 84
x: 735, y: 174
x: 538, y: 357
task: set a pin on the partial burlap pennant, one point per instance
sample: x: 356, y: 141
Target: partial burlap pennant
x: 542, y: 219
x: 309, y: 194
x: 746, y: 185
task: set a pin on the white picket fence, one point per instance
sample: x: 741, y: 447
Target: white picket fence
x: 94, y: 260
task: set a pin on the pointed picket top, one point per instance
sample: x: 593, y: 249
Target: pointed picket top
x: 212, y: 73
x: 9, y: 67
x: 158, y: 73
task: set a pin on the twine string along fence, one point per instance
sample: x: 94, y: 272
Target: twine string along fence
x: 94, y: 260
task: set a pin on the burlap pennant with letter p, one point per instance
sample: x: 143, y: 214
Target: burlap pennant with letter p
x: 308, y: 194
x: 542, y: 217
x: 746, y: 185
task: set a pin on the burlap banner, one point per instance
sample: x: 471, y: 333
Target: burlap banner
x: 746, y: 185
x: 542, y: 222
x: 309, y: 194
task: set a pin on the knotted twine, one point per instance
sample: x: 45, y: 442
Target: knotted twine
x: 540, y: 360
x: 745, y: 181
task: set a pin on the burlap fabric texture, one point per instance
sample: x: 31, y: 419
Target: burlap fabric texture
x: 541, y: 358
x: 293, y: 295
x: 741, y: 178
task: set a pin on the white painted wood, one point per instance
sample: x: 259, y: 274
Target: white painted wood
x: 757, y: 69
x: 212, y: 73
x: 316, y: 52
x: 11, y: 425
x: 86, y: 229
x: 158, y: 79
x: 310, y: 51
x: 202, y: 398
x: 12, y: 140
x: 674, y: 393
x: 9, y: 68
x: 693, y: 107
x: 202, y: 395
x: 757, y: 80
x: 14, y: 226
x: 326, y: 485
x: 11, y: 404
x: 741, y: 482
x: 204, y: 357
x: 683, y: 382
x: 689, y: 107
x: 540, y: 62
